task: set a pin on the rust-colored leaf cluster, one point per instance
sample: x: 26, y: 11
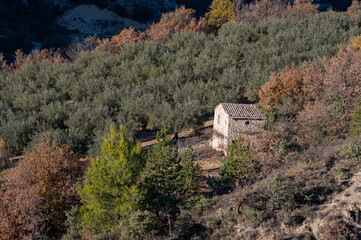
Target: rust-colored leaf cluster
x: 301, y: 8
x: 324, y: 100
x: 292, y: 83
x: 126, y: 36
x: 354, y: 9
x: 267, y: 9
x: 180, y: 20
x: 34, y: 57
x: 36, y: 193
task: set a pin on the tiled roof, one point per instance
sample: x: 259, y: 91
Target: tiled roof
x: 246, y: 111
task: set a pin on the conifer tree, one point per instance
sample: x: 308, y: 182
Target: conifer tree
x: 221, y: 12
x: 162, y: 179
x: 238, y: 164
x: 190, y: 173
x: 110, y: 187
x: 162, y: 171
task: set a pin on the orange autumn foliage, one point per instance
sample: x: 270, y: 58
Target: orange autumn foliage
x: 301, y: 8
x: 342, y: 79
x: 304, y: 84
x: 104, y: 45
x: 354, y: 9
x: 180, y: 20
x: 36, y: 193
x: 279, y: 86
x: 325, y: 100
x: 126, y: 36
x: 35, y: 57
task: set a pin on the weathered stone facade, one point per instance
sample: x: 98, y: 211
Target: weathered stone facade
x: 234, y: 120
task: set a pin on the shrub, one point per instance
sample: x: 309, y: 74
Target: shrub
x: 351, y: 151
x: 253, y: 215
x: 137, y: 224
x: 279, y: 196
x: 196, y: 205
x: 335, y: 230
x: 221, y: 224
x: 356, y: 120
x: 343, y: 173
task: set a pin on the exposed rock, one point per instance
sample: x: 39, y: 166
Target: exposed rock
x: 89, y: 20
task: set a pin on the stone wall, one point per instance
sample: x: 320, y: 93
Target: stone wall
x: 239, y: 127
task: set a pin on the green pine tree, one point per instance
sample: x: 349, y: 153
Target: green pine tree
x: 238, y: 164
x: 110, y: 187
x: 356, y: 120
x: 162, y: 180
x: 190, y: 173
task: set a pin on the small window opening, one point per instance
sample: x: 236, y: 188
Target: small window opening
x: 246, y: 123
x: 219, y: 119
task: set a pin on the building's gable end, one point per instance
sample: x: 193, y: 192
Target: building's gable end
x: 221, y: 120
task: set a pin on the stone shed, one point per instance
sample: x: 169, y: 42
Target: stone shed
x: 232, y: 120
